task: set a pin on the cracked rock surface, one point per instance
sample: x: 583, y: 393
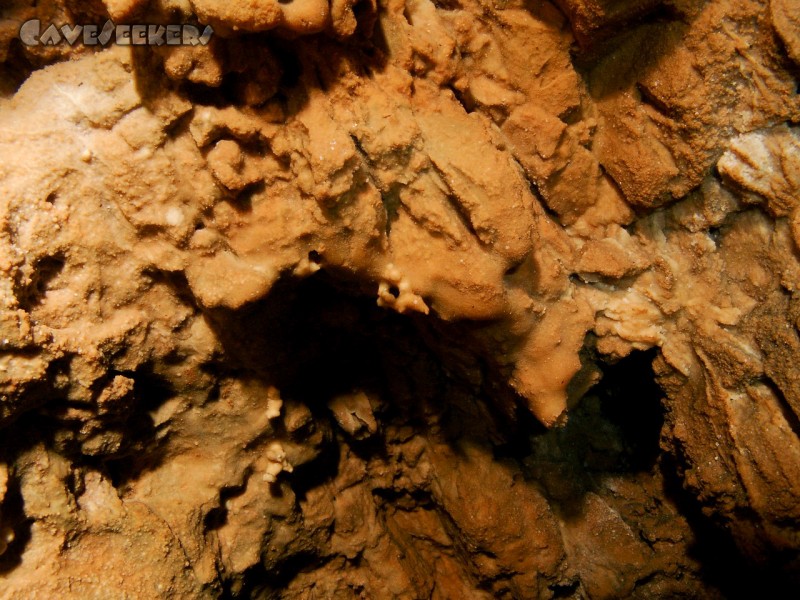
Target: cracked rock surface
x: 405, y: 299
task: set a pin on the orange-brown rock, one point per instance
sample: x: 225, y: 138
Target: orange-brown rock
x: 405, y: 299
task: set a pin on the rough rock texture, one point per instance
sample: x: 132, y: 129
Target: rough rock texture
x: 402, y: 300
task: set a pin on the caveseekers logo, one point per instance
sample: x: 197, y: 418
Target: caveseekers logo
x: 32, y: 34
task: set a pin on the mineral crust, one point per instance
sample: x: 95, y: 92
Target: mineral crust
x: 408, y: 299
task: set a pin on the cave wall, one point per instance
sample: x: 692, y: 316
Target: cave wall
x: 405, y: 299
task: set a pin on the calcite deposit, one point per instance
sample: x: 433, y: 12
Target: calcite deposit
x: 402, y: 299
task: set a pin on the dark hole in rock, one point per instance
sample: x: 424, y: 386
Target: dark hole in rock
x: 14, y: 524
x: 45, y: 273
x: 631, y: 400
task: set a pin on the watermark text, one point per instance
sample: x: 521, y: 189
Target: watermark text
x: 33, y: 33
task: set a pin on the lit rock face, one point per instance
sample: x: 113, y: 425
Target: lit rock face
x: 276, y: 311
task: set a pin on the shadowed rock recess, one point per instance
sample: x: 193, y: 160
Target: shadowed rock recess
x: 402, y: 299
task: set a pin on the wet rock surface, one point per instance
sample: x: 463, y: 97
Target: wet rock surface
x: 402, y: 300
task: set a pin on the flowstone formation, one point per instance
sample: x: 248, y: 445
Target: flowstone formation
x: 404, y: 299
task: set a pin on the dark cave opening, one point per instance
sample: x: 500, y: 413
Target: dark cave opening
x: 13, y: 517
x: 632, y: 401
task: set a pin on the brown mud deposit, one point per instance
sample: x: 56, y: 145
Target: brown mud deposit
x: 406, y: 299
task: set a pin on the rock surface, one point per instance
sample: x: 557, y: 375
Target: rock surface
x: 402, y: 300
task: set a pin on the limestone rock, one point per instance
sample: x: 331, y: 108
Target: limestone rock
x: 405, y: 299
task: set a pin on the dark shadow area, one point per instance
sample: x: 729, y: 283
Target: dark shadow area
x: 723, y: 564
x: 319, y: 471
x: 322, y: 337
x: 631, y: 399
x: 306, y: 338
x: 13, y: 517
x: 140, y: 435
x: 262, y: 68
x: 44, y: 275
x: 615, y: 429
x: 596, y: 28
x: 218, y: 516
x: 67, y: 426
x: 626, y: 59
x: 21, y: 61
x: 317, y: 338
x: 16, y: 69
x: 259, y: 585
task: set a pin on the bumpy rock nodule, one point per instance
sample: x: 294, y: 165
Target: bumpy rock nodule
x: 276, y: 311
